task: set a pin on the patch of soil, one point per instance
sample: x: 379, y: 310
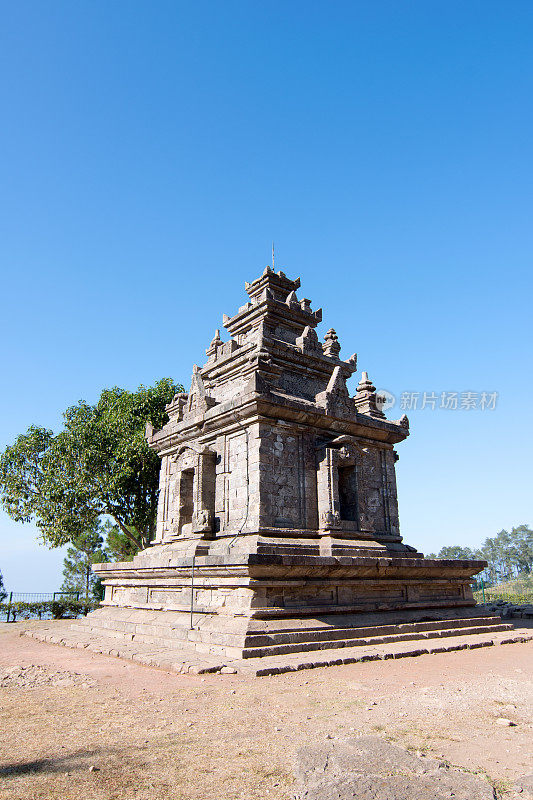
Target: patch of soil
x: 152, y: 735
x: 28, y: 677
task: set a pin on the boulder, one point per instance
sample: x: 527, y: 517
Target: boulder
x: 369, y: 768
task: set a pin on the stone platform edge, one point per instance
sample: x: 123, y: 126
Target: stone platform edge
x: 61, y: 633
x: 266, y: 559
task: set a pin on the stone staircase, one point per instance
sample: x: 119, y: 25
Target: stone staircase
x: 260, y: 645
x: 283, y: 643
x: 181, y: 657
x: 259, y: 638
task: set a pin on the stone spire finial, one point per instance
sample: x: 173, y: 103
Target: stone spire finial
x: 276, y: 282
x: 216, y: 342
x: 365, y: 398
x: 331, y: 346
x: 273, y: 305
x: 365, y: 385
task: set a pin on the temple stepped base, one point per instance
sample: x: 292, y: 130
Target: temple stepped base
x: 184, y: 660
x: 257, y: 639
x: 252, y: 606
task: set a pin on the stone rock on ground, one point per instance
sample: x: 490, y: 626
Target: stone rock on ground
x: 34, y: 675
x: 524, y: 787
x: 510, y: 610
x: 370, y: 768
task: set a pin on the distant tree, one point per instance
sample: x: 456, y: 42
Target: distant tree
x: 85, y: 550
x: 522, y: 537
x: 99, y: 464
x: 118, y: 546
x: 508, y: 554
x: 3, y: 593
x: 456, y: 552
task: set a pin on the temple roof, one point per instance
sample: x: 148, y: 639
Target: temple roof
x: 274, y: 353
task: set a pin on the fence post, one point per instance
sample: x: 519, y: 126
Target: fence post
x: 192, y: 591
x: 482, y: 588
x: 9, y: 606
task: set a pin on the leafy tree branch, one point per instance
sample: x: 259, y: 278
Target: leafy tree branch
x: 99, y: 464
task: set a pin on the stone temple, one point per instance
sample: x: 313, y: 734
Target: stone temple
x: 277, y: 526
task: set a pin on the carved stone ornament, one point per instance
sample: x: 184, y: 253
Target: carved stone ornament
x: 202, y: 521
x: 330, y: 519
x: 366, y: 522
x: 331, y: 346
x: 198, y: 400
x: 348, y: 453
x: 336, y: 399
x: 308, y: 341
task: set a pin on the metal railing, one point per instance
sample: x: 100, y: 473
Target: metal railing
x: 36, y: 597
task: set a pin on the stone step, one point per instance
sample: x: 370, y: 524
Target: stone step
x: 324, y: 633
x: 216, y: 644
x: 172, y: 636
x: 157, y: 627
x: 275, y: 665
x: 185, y: 660
x: 302, y: 647
x: 276, y: 550
x: 262, y: 645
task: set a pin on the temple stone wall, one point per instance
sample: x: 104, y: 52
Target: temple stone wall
x: 283, y: 471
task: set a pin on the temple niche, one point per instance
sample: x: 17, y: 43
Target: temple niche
x: 278, y: 506
x: 187, y: 494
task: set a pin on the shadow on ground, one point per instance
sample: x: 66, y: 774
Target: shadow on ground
x: 71, y: 762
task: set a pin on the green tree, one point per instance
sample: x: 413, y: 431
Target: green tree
x: 508, y: 554
x: 117, y: 545
x: 85, y: 550
x: 456, y: 552
x: 99, y: 464
x: 522, y: 537
x: 3, y: 593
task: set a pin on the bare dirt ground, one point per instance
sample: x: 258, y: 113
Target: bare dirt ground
x: 80, y: 725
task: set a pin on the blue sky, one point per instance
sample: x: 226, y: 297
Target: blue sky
x: 150, y: 152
